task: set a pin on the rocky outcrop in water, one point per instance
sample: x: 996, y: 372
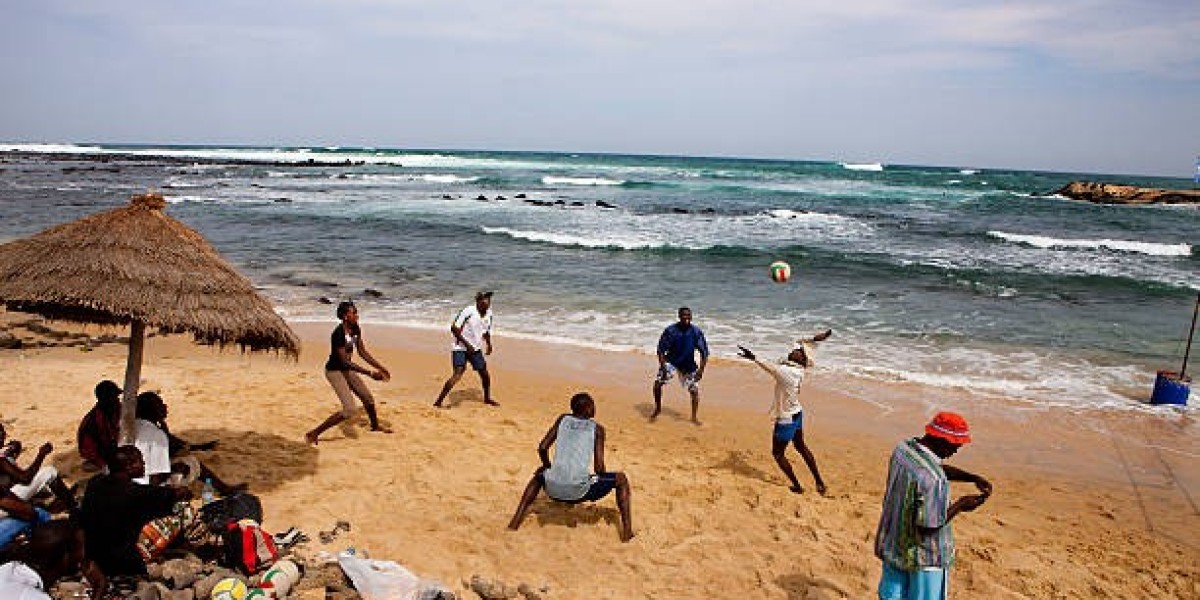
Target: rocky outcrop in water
x: 1109, y: 193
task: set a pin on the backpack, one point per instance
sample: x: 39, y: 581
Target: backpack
x: 247, y: 547
x: 235, y: 507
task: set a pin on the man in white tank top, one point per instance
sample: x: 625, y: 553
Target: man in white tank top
x: 568, y: 477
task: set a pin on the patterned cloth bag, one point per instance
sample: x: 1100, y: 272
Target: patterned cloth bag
x: 158, y: 534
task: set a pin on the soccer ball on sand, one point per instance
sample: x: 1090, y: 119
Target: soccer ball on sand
x: 229, y: 588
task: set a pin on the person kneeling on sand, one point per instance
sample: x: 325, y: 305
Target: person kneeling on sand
x: 789, y: 375
x: 914, y: 539
x: 580, y: 441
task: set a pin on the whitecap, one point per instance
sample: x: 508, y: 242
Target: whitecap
x: 1041, y: 241
x: 862, y: 166
x: 591, y: 181
x: 447, y: 178
x: 566, y: 239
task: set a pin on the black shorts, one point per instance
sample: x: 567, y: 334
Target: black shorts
x: 602, y: 485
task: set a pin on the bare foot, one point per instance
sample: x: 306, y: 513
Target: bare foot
x: 797, y: 489
x: 654, y: 415
x: 491, y: 403
x: 438, y: 404
x: 696, y: 422
x: 626, y: 536
x: 381, y: 429
x: 821, y: 489
x: 310, y: 438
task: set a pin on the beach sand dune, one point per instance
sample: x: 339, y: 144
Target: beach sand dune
x: 1076, y: 514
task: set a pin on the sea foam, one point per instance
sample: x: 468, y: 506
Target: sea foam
x: 592, y: 181
x: 1041, y: 241
x: 862, y: 166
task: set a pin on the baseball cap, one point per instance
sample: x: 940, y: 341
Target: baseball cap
x: 107, y: 389
x: 949, y: 426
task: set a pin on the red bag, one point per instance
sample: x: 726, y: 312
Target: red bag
x: 248, y: 548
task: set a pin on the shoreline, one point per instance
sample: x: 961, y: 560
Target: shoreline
x: 1082, y: 508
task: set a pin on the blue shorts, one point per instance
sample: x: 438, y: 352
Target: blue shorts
x: 926, y: 584
x: 602, y: 485
x: 10, y: 527
x: 785, y: 432
x: 459, y: 358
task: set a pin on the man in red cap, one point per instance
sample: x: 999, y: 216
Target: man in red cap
x: 914, y: 540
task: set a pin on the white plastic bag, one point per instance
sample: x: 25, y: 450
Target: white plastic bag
x: 385, y: 579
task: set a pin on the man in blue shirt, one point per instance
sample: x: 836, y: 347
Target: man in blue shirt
x: 677, y: 347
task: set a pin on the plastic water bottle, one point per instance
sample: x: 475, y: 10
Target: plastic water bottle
x: 208, y: 494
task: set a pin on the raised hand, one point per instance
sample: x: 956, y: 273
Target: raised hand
x: 745, y: 352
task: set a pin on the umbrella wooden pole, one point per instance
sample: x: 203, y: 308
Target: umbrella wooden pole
x: 1191, y: 332
x: 133, y: 376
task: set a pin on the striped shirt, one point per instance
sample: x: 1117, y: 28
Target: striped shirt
x: 918, y: 495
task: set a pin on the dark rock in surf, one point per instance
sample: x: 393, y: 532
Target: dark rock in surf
x: 1109, y: 193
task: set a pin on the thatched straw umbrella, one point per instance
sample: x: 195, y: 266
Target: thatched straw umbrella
x: 137, y: 265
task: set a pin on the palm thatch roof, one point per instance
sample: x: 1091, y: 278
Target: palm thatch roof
x: 135, y: 263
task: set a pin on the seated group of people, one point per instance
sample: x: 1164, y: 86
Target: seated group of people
x: 135, y: 484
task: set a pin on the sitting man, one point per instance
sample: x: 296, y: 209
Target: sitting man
x: 21, y: 517
x: 52, y: 551
x: 34, y: 480
x: 580, y: 441
x: 161, y: 450
x: 100, y: 429
x: 115, y: 508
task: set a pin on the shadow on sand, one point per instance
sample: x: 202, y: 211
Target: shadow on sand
x: 736, y: 462
x: 549, y: 512
x: 804, y: 587
x: 263, y: 460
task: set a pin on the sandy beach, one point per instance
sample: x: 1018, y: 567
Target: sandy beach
x: 1088, y: 504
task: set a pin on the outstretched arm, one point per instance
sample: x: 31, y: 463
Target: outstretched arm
x: 820, y: 337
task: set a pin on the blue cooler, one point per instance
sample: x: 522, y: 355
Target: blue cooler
x: 1170, y: 389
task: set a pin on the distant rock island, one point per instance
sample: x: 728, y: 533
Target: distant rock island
x: 1109, y: 193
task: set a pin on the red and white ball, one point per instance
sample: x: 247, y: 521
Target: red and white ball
x: 780, y: 271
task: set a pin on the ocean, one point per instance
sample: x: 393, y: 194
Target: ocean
x: 977, y: 282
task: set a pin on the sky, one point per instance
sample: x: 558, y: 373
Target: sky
x: 1094, y: 86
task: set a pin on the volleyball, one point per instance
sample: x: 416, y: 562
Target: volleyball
x: 229, y: 588
x: 780, y: 271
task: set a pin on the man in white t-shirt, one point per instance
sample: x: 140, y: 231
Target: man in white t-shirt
x: 472, y: 330
x: 160, y: 450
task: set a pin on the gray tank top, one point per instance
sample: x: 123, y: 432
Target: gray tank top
x: 570, y: 474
